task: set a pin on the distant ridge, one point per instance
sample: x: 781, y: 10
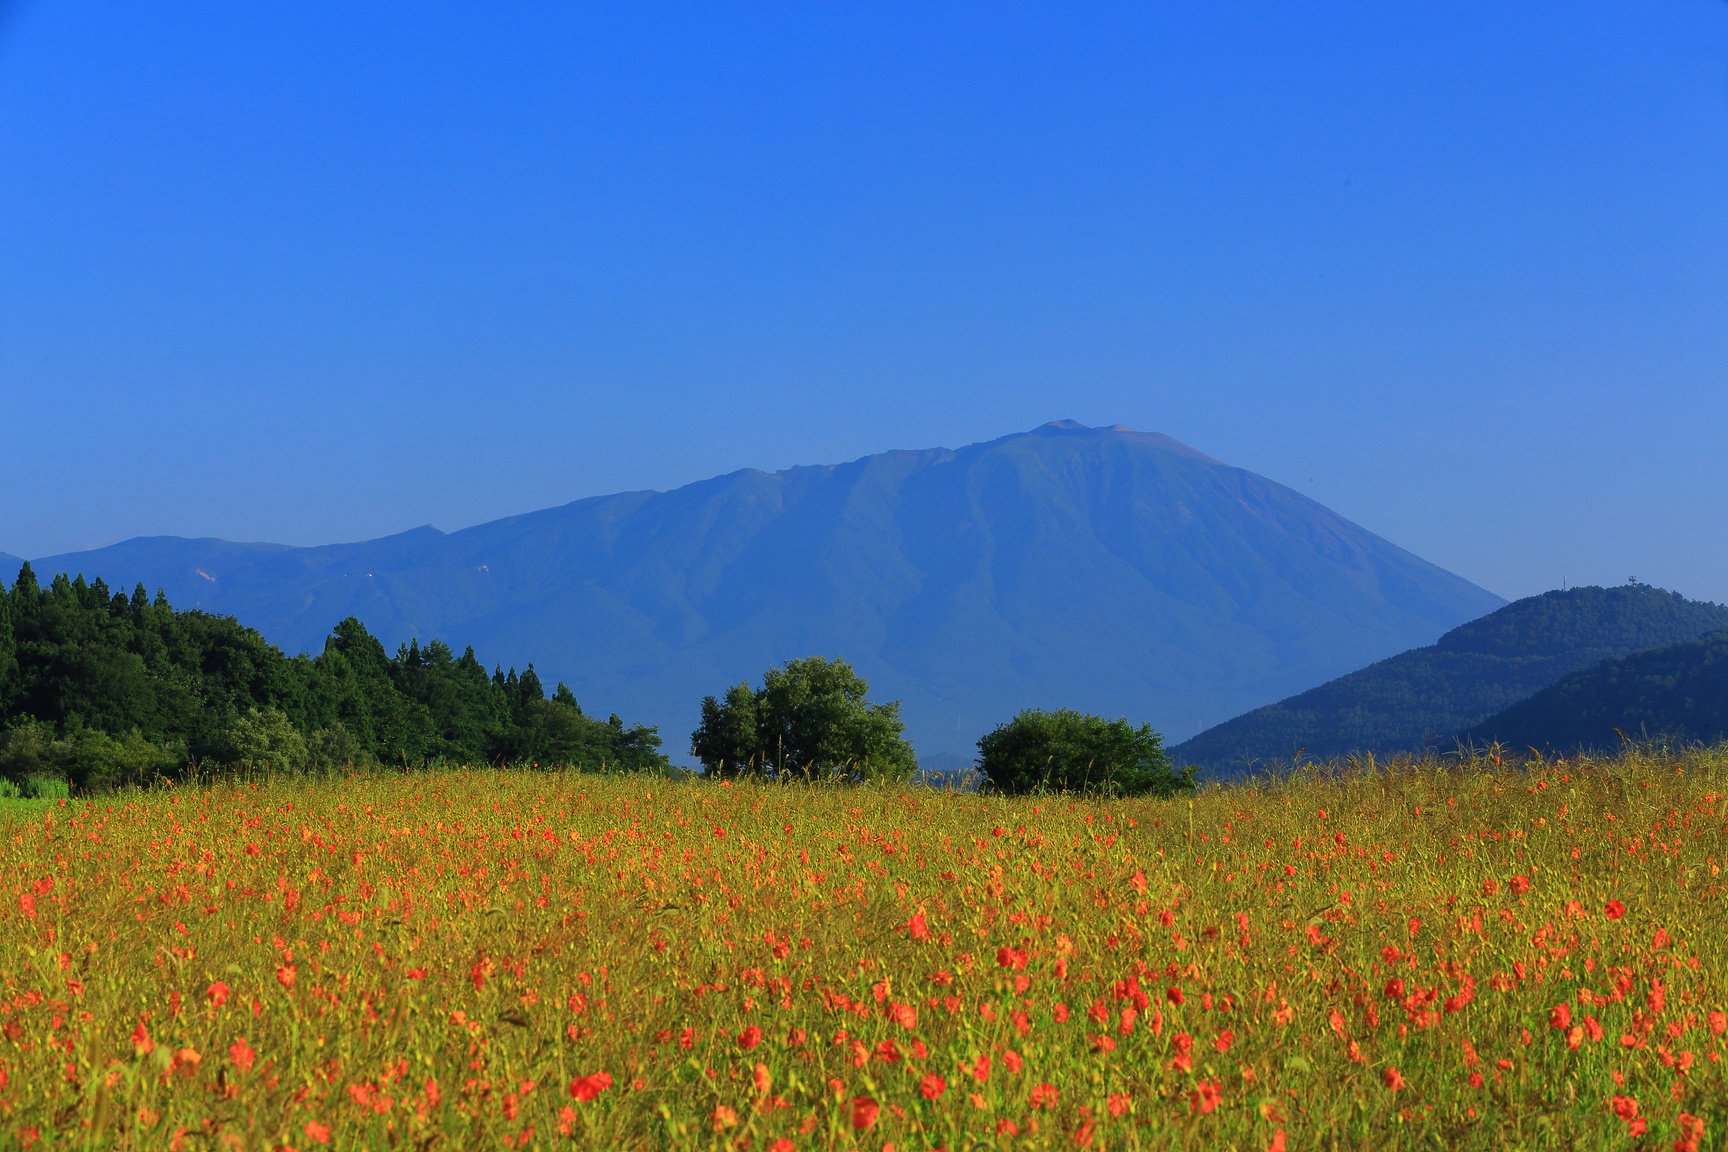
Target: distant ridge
x: 1116, y: 571
x: 1430, y: 696
x: 1677, y: 692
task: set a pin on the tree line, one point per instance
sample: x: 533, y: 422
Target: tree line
x: 100, y: 689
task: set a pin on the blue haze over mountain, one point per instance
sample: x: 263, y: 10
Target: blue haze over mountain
x: 1105, y: 569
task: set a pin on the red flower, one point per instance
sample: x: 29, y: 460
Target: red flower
x: 1393, y: 1078
x: 750, y: 1037
x: 241, y: 1054
x: 864, y: 1111
x: 218, y: 993
x: 585, y: 1088
x: 932, y: 1086
x: 1206, y: 1096
x: 1614, y: 910
x: 316, y: 1132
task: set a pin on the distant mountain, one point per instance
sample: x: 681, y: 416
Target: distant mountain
x: 1105, y: 569
x: 9, y: 566
x: 1678, y: 691
x: 1432, y: 695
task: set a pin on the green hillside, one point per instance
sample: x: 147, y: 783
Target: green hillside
x: 1678, y: 692
x: 1427, y: 697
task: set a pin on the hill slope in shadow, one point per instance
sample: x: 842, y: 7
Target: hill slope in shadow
x: 1431, y: 696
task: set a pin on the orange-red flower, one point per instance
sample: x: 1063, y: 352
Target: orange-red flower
x: 585, y: 1088
x: 1206, y: 1096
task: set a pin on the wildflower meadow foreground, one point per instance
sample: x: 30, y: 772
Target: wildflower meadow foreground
x: 1440, y: 955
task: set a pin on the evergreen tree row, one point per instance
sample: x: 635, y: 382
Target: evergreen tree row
x: 101, y: 689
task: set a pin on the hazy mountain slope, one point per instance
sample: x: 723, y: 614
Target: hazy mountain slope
x: 1105, y: 569
x: 1678, y: 691
x: 9, y: 566
x: 1433, y: 694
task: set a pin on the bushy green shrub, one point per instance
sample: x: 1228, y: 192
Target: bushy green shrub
x: 28, y: 756
x: 263, y: 739
x: 335, y: 749
x: 98, y: 762
x: 1069, y: 751
x: 38, y: 763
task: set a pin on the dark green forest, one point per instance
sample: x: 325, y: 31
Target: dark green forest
x: 1428, y: 698
x: 1676, y: 693
x: 100, y: 689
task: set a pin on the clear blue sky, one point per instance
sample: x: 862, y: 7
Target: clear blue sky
x: 302, y: 272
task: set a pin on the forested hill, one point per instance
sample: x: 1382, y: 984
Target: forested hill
x: 1430, y: 696
x: 1677, y: 692
x: 101, y: 688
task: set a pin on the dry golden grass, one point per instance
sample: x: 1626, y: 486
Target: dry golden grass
x: 1444, y: 955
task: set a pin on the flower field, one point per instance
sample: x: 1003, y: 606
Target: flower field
x: 1434, y: 956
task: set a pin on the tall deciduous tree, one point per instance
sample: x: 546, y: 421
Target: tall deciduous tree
x: 810, y: 719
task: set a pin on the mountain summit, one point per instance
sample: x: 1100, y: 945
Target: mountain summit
x: 1104, y: 569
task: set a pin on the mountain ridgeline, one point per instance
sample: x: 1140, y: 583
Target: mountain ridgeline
x: 1101, y: 569
x: 1428, y: 698
x: 1677, y: 693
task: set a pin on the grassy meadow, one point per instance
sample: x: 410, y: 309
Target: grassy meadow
x: 1444, y: 954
